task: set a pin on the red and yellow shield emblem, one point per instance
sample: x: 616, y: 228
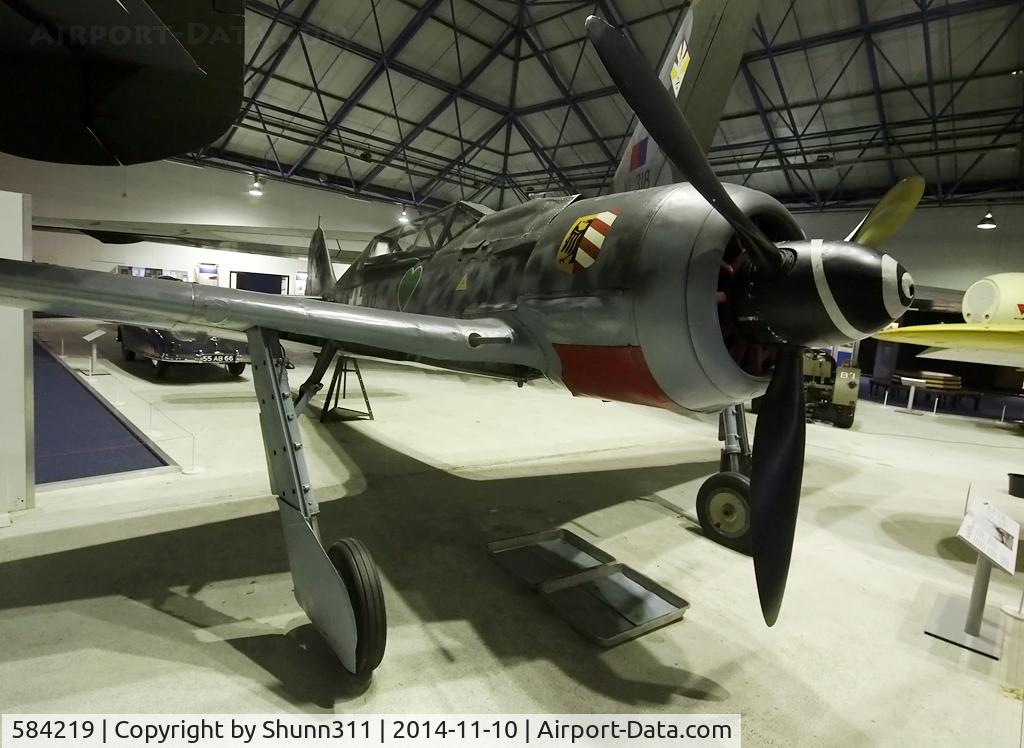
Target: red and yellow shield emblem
x: 582, y: 244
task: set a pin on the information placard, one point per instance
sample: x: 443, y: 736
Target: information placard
x: 992, y: 533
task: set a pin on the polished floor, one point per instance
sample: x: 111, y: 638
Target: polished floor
x: 171, y: 592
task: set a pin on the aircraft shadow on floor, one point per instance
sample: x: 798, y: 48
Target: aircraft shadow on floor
x: 428, y: 531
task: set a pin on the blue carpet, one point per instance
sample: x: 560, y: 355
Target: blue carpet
x: 76, y: 435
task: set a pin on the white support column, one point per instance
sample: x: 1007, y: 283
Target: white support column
x: 17, y: 437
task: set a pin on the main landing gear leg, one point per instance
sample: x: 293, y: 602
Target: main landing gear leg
x: 339, y: 588
x: 723, y: 502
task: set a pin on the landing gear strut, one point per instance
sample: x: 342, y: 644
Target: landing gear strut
x: 339, y: 589
x: 723, y: 502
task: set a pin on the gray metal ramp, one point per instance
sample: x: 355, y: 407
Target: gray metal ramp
x: 607, y: 602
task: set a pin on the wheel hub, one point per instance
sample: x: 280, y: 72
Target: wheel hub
x: 729, y: 514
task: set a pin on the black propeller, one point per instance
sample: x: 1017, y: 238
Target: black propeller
x: 776, y: 474
x: 777, y: 465
x: 657, y: 110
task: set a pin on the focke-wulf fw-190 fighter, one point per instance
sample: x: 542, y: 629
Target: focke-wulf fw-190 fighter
x: 693, y: 296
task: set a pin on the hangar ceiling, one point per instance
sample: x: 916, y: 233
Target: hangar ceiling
x: 427, y: 101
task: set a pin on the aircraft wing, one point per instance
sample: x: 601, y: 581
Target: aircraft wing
x: 345, y: 246
x: 996, y: 344
x: 152, y: 302
x: 1013, y: 359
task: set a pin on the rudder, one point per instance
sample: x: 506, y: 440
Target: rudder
x: 702, y: 62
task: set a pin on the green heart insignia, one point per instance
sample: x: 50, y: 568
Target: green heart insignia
x: 407, y: 286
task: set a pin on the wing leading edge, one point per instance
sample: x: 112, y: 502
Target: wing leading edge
x: 996, y: 344
x: 158, y: 303
x: 966, y: 335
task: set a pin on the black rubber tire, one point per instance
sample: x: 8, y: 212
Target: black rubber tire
x: 126, y: 353
x: 236, y: 369
x: 733, y: 490
x: 160, y: 368
x: 844, y: 418
x: 354, y: 564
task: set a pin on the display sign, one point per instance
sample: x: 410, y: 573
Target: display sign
x: 992, y: 533
x: 207, y: 274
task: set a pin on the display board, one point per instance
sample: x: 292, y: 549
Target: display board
x: 262, y: 282
x: 208, y: 274
x: 992, y: 533
x: 144, y: 272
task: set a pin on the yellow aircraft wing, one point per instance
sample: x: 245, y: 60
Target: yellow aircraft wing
x: 996, y: 344
x: 1000, y: 337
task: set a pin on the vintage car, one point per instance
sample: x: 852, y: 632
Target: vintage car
x: 166, y: 347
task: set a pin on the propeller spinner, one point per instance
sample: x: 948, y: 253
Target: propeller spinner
x: 793, y: 295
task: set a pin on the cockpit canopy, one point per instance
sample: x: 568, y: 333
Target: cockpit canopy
x: 429, y: 233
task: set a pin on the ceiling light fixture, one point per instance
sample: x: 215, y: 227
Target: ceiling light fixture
x: 988, y: 222
x: 256, y: 188
x: 404, y: 218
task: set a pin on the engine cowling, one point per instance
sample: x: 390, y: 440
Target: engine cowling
x: 639, y: 319
x: 649, y: 297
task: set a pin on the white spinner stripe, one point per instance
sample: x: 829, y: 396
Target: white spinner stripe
x: 607, y: 217
x: 594, y: 236
x: 825, y: 294
x: 890, y: 287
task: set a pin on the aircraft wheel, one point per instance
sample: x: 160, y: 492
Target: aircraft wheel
x: 723, y: 508
x: 127, y: 354
x: 355, y: 566
x: 236, y: 369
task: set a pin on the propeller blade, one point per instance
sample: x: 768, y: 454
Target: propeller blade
x: 776, y: 473
x: 889, y: 214
x: 659, y: 114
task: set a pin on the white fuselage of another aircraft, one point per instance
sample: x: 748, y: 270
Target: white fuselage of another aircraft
x: 992, y: 331
x: 995, y: 299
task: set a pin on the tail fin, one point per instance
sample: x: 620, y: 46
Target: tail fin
x: 702, y: 63
x: 320, y: 272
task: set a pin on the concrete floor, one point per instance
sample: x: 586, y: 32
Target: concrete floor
x: 167, y: 592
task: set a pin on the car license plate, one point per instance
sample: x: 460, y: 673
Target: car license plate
x: 219, y: 358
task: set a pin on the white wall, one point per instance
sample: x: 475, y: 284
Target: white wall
x: 166, y: 192
x: 941, y: 247
x: 17, y: 436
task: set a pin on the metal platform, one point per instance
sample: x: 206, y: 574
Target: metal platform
x: 946, y: 622
x: 544, y: 556
x: 605, y: 601
x: 612, y: 603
